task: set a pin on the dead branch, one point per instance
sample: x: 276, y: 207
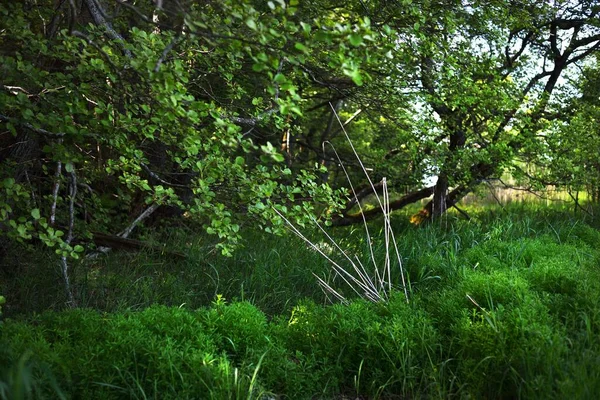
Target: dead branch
x: 147, y: 212
x: 103, y: 249
x: 55, y: 192
x: 69, y: 239
x: 154, y: 175
x: 98, y: 15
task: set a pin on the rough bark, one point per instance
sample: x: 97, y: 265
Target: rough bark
x: 440, y: 197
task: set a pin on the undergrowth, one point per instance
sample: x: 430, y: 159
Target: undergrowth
x: 505, y: 305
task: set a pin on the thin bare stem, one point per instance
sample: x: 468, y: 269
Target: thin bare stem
x: 147, y: 212
x: 326, y: 286
x: 64, y: 264
x: 379, y: 288
x: 360, y: 209
x: 127, y: 231
x: 337, y: 267
x: 55, y: 192
x: 72, y: 195
x: 365, y: 282
x: 385, y: 209
x: 356, y: 154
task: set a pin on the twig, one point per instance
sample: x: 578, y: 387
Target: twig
x: 33, y: 196
x: 577, y: 205
x: 98, y: 15
x: 158, y: 178
x: 65, y: 265
x: 4, y: 118
x: 16, y: 89
x: 89, y: 41
x: 463, y: 213
x: 491, y: 187
x: 253, y: 121
x: 72, y: 196
x: 166, y: 52
x: 532, y: 191
x: 55, y: 192
x: 144, y: 17
x: 147, y: 212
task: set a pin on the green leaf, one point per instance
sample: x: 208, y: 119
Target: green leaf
x: 355, y: 75
x: 11, y: 128
x: 355, y: 39
x: 299, y: 46
x: 8, y: 183
x: 279, y: 78
x: 69, y: 167
x: 35, y: 213
x: 251, y: 24
x: 277, y: 157
x: 323, y: 36
x: 258, y: 67
x: 27, y: 113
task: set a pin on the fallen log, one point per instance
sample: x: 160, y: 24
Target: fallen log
x: 117, y: 242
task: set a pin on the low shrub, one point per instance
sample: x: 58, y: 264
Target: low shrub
x: 160, y: 352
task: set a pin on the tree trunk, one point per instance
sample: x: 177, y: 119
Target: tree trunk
x: 439, y: 204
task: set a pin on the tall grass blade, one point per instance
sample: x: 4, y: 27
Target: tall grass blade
x: 379, y: 287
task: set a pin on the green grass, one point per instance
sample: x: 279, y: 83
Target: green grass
x: 505, y: 305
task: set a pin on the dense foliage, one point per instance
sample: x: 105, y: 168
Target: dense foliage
x: 119, y: 127
x: 573, y: 142
x: 221, y: 111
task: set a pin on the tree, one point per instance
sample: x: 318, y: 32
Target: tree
x: 139, y: 106
x: 483, y: 76
x: 111, y: 110
x: 572, y: 142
